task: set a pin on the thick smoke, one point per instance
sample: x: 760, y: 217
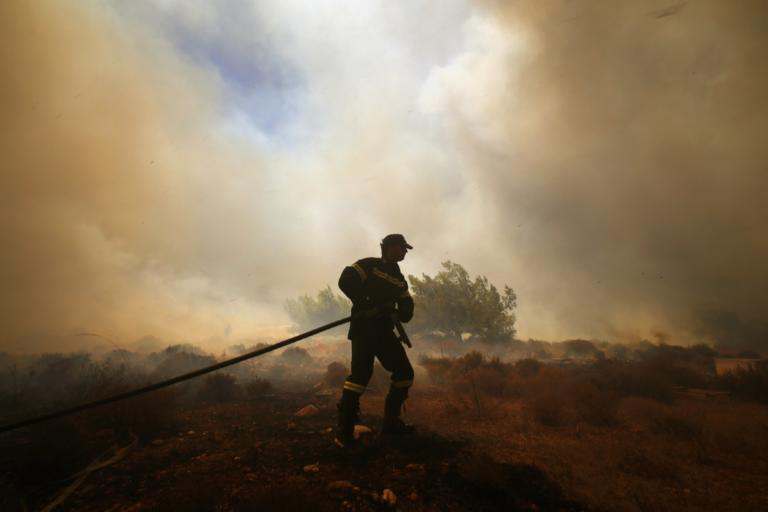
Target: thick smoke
x: 626, y: 147
x: 105, y: 161
x: 607, y: 160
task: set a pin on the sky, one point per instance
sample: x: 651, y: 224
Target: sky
x: 179, y: 169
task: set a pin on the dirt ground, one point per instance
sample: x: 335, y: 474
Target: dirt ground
x: 704, y: 451
x: 260, y: 456
x: 467, y: 455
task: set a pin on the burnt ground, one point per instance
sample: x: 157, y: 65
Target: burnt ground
x: 259, y: 456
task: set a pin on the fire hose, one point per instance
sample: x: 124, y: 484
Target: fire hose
x: 191, y: 375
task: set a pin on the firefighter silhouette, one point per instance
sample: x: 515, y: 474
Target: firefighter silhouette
x: 377, y: 290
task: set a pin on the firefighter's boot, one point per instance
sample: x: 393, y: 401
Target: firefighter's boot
x: 392, y: 405
x: 348, y: 409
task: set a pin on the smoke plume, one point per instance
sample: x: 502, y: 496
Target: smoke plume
x: 178, y: 169
x: 626, y: 148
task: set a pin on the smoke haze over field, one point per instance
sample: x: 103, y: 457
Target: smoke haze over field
x: 180, y: 168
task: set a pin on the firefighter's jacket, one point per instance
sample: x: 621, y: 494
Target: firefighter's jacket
x: 373, y: 282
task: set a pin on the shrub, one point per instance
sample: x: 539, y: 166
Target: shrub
x: 591, y: 404
x: 438, y: 368
x: 145, y: 415
x: 580, y: 348
x: 527, y: 367
x: 472, y: 373
x: 307, y: 312
x: 469, y: 361
x: 617, y: 351
x: 749, y: 382
x: 557, y: 397
x: 178, y: 359
x: 60, y: 373
x: 296, y: 356
x: 682, y: 366
x: 219, y: 387
x: 544, y: 398
x: 335, y: 374
x: 632, y: 379
x: 676, y: 423
x: 490, y: 381
x: 647, y: 463
x: 538, y: 349
x: 257, y: 387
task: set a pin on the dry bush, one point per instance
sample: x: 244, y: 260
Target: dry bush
x: 438, y: 368
x: 277, y: 372
x: 689, y: 367
x: 528, y: 367
x: 256, y: 387
x: 218, y: 388
x: 470, y: 361
x: 335, y: 374
x: 558, y: 397
x: 579, y: 348
x: 593, y: 405
x: 647, y: 462
x: 632, y: 379
x: 82, y: 381
x: 491, y: 381
x: 679, y: 421
x: 145, y: 416
x: 296, y: 356
x: 177, y: 360
x: 58, y: 372
x: 749, y: 382
x: 539, y: 349
x: 473, y: 374
x: 545, y: 399
x: 554, y: 396
x: 548, y: 406
x: 484, y: 377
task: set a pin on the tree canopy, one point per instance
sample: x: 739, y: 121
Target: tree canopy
x: 309, y: 312
x: 453, y: 303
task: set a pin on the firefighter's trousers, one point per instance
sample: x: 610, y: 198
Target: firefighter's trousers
x: 384, y: 345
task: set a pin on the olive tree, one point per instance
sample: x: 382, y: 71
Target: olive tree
x: 455, y: 304
x: 308, y: 312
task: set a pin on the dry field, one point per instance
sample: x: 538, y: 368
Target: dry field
x: 691, y: 455
x: 661, y: 432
